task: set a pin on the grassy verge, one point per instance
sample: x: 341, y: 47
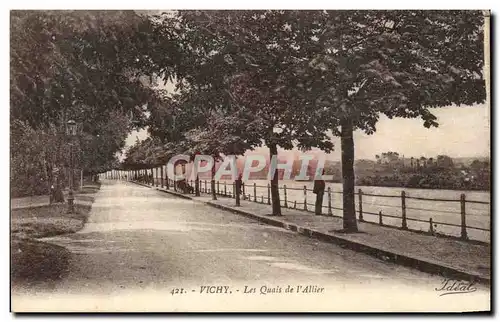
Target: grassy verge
x: 46, y: 221
x: 32, y: 260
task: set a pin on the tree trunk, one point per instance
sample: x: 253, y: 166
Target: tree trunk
x: 197, y: 186
x: 212, y: 183
x: 347, y: 146
x: 275, y: 193
x: 46, y: 174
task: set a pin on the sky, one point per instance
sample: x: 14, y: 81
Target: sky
x: 462, y: 132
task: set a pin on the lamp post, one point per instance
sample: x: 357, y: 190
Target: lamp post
x: 71, y: 132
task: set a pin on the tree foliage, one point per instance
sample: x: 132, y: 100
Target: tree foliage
x: 243, y: 78
x: 397, y: 63
x: 82, y: 65
x: 244, y: 66
x: 292, y: 77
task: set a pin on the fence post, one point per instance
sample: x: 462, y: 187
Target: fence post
x: 243, y: 190
x: 156, y: 177
x: 167, y: 179
x: 330, y: 201
x: 254, y: 192
x: 225, y: 189
x: 404, y: 224
x: 205, y: 186
x: 295, y: 204
x: 236, y: 194
x: 360, y: 197
x: 305, y: 198
x: 284, y: 193
x: 218, y: 190
x: 197, y: 186
x: 431, y: 228
x: 268, y: 194
x: 462, y: 212
x: 380, y: 221
x: 161, y: 175
x: 262, y: 199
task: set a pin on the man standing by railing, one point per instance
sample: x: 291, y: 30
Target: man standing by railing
x: 319, y: 190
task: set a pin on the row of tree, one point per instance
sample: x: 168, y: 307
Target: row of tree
x: 243, y: 79
x: 289, y: 79
x: 438, y: 173
x: 394, y: 159
x: 466, y: 178
x: 73, y: 65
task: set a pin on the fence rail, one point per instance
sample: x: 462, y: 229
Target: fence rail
x: 376, y: 211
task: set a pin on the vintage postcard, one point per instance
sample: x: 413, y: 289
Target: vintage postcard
x: 250, y: 161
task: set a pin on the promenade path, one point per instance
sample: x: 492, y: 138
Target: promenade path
x: 470, y: 258
x: 139, y: 245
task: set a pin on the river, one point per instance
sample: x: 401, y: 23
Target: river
x: 389, y: 203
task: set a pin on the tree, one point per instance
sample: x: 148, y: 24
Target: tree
x: 423, y: 162
x: 145, y: 154
x: 255, y: 56
x: 389, y: 157
x: 222, y: 135
x: 397, y: 63
x: 444, y: 161
x: 87, y: 63
x: 88, y: 67
x: 178, y: 122
x: 302, y: 74
x: 479, y: 165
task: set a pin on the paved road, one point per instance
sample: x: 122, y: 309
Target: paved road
x: 140, y: 244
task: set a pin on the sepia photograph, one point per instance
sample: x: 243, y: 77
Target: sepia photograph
x: 250, y: 161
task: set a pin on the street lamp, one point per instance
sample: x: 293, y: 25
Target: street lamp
x: 71, y: 131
